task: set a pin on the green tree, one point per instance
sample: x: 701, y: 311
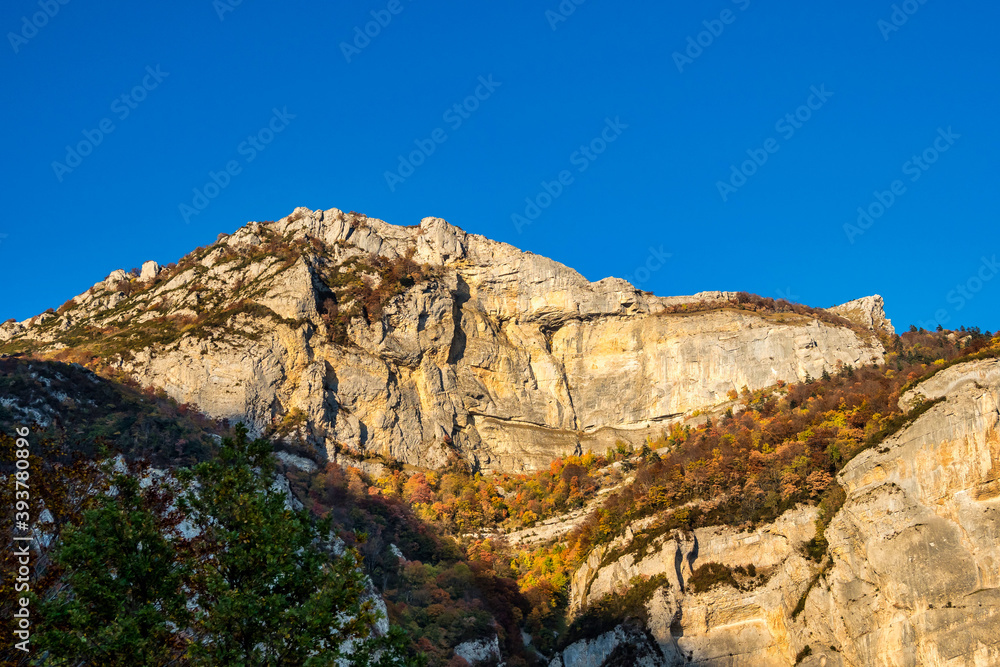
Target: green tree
x: 123, y: 592
x: 270, y: 592
x: 391, y: 650
x: 260, y: 584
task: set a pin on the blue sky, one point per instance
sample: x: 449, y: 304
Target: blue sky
x: 714, y: 145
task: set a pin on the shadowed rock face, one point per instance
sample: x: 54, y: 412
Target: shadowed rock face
x: 510, y: 358
x: 625, y: 645
x: 914, y: 574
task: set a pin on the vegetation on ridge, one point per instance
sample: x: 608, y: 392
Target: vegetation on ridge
x: 84, y: 411
x: 458, y: 578
x: 783, y: 447
x: 209, y: 566
x: 767, y: 306
x: 455, y: 582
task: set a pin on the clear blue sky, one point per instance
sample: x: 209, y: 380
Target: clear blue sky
x: 889, y: 95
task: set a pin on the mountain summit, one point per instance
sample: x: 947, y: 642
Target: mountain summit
x: 719, y: 479
x: 374, y: 342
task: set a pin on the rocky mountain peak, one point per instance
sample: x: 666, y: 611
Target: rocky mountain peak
x: 420, y: 343
x: 868, y: 311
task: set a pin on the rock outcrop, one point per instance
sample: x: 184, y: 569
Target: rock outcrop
x: 149, y: 270
x: 868, y: 311
x: 916, y: 568
x: 504, y: 357
x: 913, y: 572
x: 721, y: 626
x: 625, y: 645
x: 419, y: 344
x: 481, y: 651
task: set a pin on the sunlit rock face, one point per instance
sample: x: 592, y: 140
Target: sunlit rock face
x: 913, y: 575
x: 868, y: 311
x: 916, y: 575
x: 504, y: 357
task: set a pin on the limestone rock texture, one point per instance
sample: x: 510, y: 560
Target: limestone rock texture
x: 149, y: 270
x: 481, y: 651
x: 503, y: 357
x: 912, y: 575
x: 916, y: 548
x: 721, y: 626
x: 868, y: 311
x: 622, y: 646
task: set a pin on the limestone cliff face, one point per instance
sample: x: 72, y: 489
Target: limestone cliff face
x: 511, y: 358
x: 913, y: 576
x: 721, y: 626
x: 916, y: 574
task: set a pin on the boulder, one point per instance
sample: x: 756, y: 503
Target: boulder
x: 149, y: 270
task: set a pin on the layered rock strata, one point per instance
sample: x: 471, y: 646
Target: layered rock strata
x: 912, y: 577
x: 505, y: 357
